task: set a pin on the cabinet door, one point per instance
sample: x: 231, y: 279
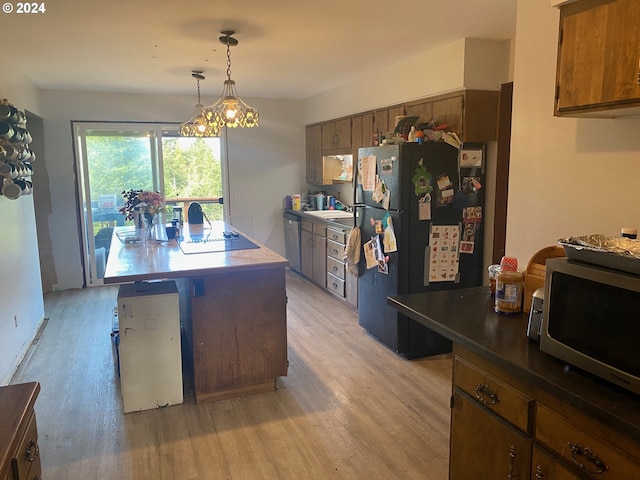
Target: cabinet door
x: 306, y: 253
x: 424, y: 110
x: 314, y: 153
x: 384, y: 120
x: 320, y: 260
x: 598, y: 53
x: 483, y: 445
x: 336, y: 135
x: 547, y: 466
x: 449, y: 111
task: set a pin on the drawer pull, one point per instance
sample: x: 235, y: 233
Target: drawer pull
x: 32, y: 451
x: 578, y: 450
x: 486, y: 395
x: 512, y: 455
x: 539, y: 473
x: 334, y: 268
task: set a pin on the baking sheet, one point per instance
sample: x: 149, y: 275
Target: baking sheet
x: 611, y: 252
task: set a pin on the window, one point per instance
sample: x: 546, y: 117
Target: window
x: 113, y: 157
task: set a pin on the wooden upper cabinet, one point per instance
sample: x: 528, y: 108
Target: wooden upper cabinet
x: 598, y: 70
x: 471, y: 114
x: 361, y: 132
x: 422, y: 109
x: 384, y: 119
x: 336, y: 135
x: 314, y: 153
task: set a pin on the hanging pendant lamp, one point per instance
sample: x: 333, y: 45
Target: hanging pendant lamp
x: 198, y: 126
x: 230, y: 110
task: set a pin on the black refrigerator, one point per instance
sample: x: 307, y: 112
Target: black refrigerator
x: 420, y: 211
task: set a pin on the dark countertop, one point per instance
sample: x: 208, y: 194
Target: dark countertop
x: 466, y: 316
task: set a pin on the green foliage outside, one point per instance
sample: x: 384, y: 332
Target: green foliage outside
x: 191, y: 169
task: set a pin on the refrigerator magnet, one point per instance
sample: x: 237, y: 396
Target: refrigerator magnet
x: 424, y: 207
x: 421, y: 180
x: 386, y: 166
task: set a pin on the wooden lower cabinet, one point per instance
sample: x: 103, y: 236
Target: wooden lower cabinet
x: 546, y: 466
x: 313, y: 252
x: 19, y: 433
x: 238, y: 332
x: 483, y: 445
x: 504, y: 427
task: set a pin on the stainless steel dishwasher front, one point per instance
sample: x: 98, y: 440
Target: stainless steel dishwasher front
x: 292, y: 240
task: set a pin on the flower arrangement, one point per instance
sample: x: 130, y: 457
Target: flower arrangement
x: 142, y: 201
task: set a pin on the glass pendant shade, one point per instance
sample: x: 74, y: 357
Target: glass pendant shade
x: 198, y: 125
x: 230, y: 110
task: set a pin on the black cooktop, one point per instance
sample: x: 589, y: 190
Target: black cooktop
x: 210, y: 241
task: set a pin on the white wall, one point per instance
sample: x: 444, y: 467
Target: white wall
x: 266, y: 163
x: 22, y: 307
x: 568, y: 176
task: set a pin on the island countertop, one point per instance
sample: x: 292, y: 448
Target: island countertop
x: 467, y: 317
x: 128, y: 263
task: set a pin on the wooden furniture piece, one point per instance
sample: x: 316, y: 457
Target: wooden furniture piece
x: 232, y: 309
x: 314, y: 153
x: 19, y: 453
x: 518, y: 412
x: 598, y: 70
x: 471, y: 114
x: 313, y: 251
x: 339, y: 281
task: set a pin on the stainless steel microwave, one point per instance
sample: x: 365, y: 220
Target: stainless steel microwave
x: 591, y: 319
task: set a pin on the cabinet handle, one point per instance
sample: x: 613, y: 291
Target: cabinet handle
x: 539, y: 473
x: 486, y: 395
x: 32, y: 451
x: 334, y: 268
x: 335, y: 251
x: 578, y: 450
x: 512, y: 454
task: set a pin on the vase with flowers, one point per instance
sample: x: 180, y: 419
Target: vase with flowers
x: 143, y: 207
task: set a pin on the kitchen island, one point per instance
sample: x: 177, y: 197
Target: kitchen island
x: 232, y: 308
x: 539, y: 417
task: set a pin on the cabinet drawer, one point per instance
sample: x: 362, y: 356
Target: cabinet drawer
x: 335, y: 250
x: 584, y: 450
x: 335, y: 267
x: 545, y: 465
x: 499, y: 397
x: 26, y: 463
x: 336, y: 235
x: 320, y: 229
x: 335, y: 284
x: 306, y: 225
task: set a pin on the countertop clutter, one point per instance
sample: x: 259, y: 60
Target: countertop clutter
x: 560, y: 419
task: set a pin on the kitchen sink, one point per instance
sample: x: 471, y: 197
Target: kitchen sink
x: 330, y: 213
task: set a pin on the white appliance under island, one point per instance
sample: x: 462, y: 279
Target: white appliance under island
x: 150, y: 352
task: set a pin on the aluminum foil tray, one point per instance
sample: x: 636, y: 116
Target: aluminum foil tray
x: 611, y: 252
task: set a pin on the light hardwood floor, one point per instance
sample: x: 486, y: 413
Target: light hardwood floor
x: 348, y: 409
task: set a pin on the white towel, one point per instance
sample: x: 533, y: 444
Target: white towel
x: 352, y: 251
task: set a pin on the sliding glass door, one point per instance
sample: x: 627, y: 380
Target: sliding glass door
x: 114, y: 157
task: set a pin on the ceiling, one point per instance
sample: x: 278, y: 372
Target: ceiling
x: 289, y: 49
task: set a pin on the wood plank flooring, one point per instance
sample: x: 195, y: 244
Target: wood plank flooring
x: 348, y: 409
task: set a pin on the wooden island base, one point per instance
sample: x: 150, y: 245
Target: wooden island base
x: 238, y: 332
x: 233, y: 310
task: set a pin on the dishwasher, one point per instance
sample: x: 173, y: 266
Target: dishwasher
x: 292, y: 240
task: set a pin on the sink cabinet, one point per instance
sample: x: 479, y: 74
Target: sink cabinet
x: 598, y: 71
x: 313, y: 252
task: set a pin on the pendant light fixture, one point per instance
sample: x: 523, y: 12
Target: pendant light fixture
x: 198, y: 126
x: 230, y: 110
